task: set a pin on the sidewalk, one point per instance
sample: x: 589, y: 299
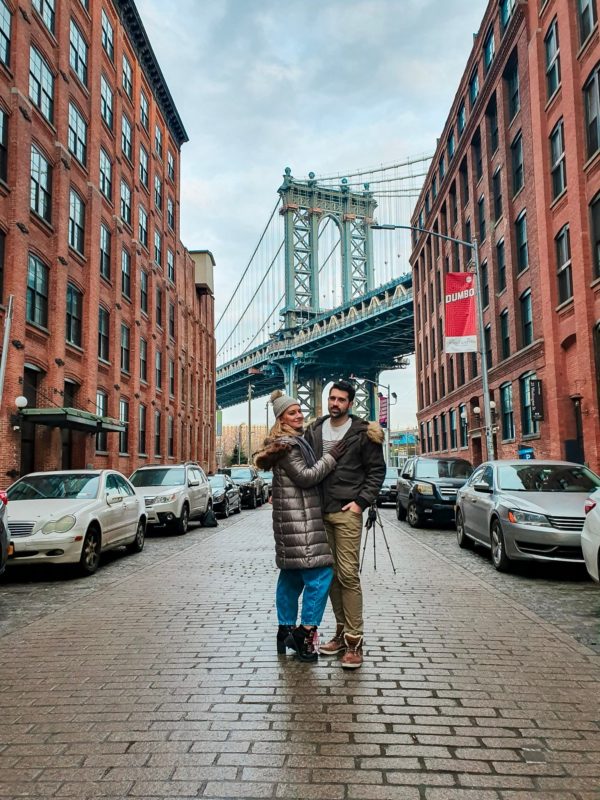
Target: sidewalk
x: 168, y: 685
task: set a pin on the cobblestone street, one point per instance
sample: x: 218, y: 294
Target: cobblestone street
x: 158, y: 678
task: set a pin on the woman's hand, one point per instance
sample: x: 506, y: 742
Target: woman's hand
x: 338, y: 449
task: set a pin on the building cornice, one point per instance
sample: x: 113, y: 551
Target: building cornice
x: 134, y: 27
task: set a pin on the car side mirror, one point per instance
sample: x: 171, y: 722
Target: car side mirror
x: 193, y: 483
x: 405, y: 475
x: 484, y: 488
x: 113, y: 499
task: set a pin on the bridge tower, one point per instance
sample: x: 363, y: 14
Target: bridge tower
x: 304, y: 205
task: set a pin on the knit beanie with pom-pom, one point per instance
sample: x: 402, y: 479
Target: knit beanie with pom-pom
x: 281, y: 401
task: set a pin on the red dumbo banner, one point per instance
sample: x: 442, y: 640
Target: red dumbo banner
x: 460, y: 327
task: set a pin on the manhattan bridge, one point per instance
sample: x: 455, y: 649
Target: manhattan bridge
x: 324, y: 295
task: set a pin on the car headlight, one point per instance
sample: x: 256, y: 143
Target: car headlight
x: 527, y: 518
x: 217, y: 495
x: 423, y: 488
x: 61, y: 525
x: 166, y: 498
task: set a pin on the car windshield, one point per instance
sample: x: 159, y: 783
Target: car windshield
x: 241, y: 474
x: 546, y: 478
x: 55, y: 487
x: 216, y: 480
x: 443, y: 468
x: 163, y: 476
x: 267, y: 476
x: 391, y: 473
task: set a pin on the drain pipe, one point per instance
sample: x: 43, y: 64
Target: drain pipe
x: 7, y: 323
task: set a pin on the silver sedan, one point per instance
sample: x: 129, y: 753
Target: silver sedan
x: 528, y: 510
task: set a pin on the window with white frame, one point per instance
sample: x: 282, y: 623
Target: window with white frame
x: 105, y: 174
x: 144, y: 110
x: 41, y: 184
x: 108, y: 36
x: 529, y: 425
x: 78, y: 53
x: 126, y: 138
x: 587, y: 16
x: 506, y: 410
x: 105, y: 250
x: 76, y: 222
x: 144, y: 166
x: 77, y: 134
x: 127, y: 77
x: 125, y: 202
x: 41, y: 84
x: 552, y: 59
x: 143, y: 226
x: 5, y: 30
x: 125, y: 273
x: 563, y: 265
x: 106, y: 102
x: 557, y: 160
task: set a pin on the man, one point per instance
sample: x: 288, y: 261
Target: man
x: 347, y: 491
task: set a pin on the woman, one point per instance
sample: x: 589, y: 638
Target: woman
x: 301, y: 549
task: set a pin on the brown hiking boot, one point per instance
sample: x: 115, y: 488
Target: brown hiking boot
x: 335, y: 645
x: 353, y: 657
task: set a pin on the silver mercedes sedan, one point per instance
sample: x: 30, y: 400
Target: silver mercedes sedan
x: 528, y: 510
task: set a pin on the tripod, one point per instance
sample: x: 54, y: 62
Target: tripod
x: 374, y: 519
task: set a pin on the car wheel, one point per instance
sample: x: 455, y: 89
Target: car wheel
x: 499, y: 558
x: 181, y: 525
x: 400, y: 511
x: 226, y: 510
x: 140, y: 537
x: 461, y: 537
x: 259, y: 500
x: 209, y: 508
x: 253, y: 502
x: 90, y: 552
x: 238, y: 510
x: 415, y: 519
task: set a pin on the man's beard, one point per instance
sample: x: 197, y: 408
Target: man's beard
x: 336, y: 412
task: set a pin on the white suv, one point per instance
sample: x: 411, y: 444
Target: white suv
x: 173, y: 494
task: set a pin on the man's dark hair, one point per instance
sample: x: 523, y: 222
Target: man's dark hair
x: 344, y: 386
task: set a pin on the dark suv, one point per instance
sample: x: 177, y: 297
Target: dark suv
x: 250, y: 484
x: 427, y: 489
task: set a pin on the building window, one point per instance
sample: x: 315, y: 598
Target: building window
x: 158, y: 248
x: 144, y: 110
x: 143, y: 227
x: 443, y: 431
x: 552, y: 59
x: 436, y: 435
x: 159, y: 306
x: 474, y: 370
x: 481, y: 218
x: 103, y: 333
x: 489, y: 49
x: 474, y: 87
x: 511, y: 76
x: 452, y: 415
x: 170, y: 166
x: 3, y: 145
x: 108, y: 36
x: 78, y: 53
x: 441, y: 168
x: 595, y: 231
x: 592, y: 111
x: 77, y: 136
x: 105, y: 246
x: 434, y: 187
x: 76, y: 222
x: 126, y: 273
x: 487, y: 335
x: 143, y: 166
x: 516, y: 155
x: 477, y: 156
x: 106, y: 102
x: 5, y: 23
x: 501, y: 265
x: 506, y: 406
x: 125, y: 347
x: 142, y: 426
x: 170, y: 439
x: 124, y: 418
x: 41, y: 185
x: 158, y: 141
x: 127, y: 77
x: 485, y: 285
x: 158, y: 369
x: 460, y: 363
x: 492, y: 118
x: 2, y: 251
x: 158, y: 192
x: 37, y: 292
x: 170, y: 213
x: 125, y: 203
x: 521, y: 242
x: 45, y: 9
x: 105, y: 175
x: 497, y: 194
x: 557, y: 160
x: 464, y: 421
x: 126, y: 145
x: 506, y: 10
x: 101, y: 411
x: 504, y: 334
x: 586, y: 12
x: 529, y: 425
x: 526, y: 318
x: 563, y: 265
x: 464, y: 182
x: 144, y: 291
x: 157, y: 433
x: 461, y: 118
x: 143, y: 360
x: 41, y: 84
x: 170, y: 265
x: 171, y: 377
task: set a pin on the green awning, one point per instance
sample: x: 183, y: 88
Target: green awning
x: 72, y: 418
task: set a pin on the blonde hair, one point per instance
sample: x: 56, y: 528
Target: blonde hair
x: 282, y: 429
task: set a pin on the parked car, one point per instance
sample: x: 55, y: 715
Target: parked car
x: 72, y: 516
x: 250, y: 484
x: 389, y: 488
x: 590, y: 535
x: 5, y: 545
x: 529, y: 510
x: 267, y: 477
x: 427, y: 488
x: 225, y: 494
x: 173, y: 494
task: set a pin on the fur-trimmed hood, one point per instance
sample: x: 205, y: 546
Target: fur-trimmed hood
x: 273, y: 450
x: 373, y: 430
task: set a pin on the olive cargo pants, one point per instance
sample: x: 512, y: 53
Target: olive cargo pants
x: 344, y: 530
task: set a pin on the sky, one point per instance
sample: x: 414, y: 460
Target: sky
x: 323, y: 85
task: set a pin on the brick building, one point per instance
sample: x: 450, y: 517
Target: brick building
x: 111, y: 338
x: 517, y: 165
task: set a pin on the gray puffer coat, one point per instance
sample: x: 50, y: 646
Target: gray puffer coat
x: 300, y: 537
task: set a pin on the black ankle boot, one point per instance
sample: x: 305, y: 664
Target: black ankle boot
x: 301, y: 640
x: 282, y: 633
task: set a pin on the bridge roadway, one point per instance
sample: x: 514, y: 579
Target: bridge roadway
x: 370, y: 334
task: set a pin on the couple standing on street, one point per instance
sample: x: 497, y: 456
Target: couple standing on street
x: 322, y: 482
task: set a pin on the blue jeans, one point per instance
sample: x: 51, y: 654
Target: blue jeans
x: 290, y: 585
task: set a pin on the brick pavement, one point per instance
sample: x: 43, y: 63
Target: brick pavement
x: 167, y: 684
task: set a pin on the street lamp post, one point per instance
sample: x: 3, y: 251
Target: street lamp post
x: 250, y: 387
x: 485, y: 387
